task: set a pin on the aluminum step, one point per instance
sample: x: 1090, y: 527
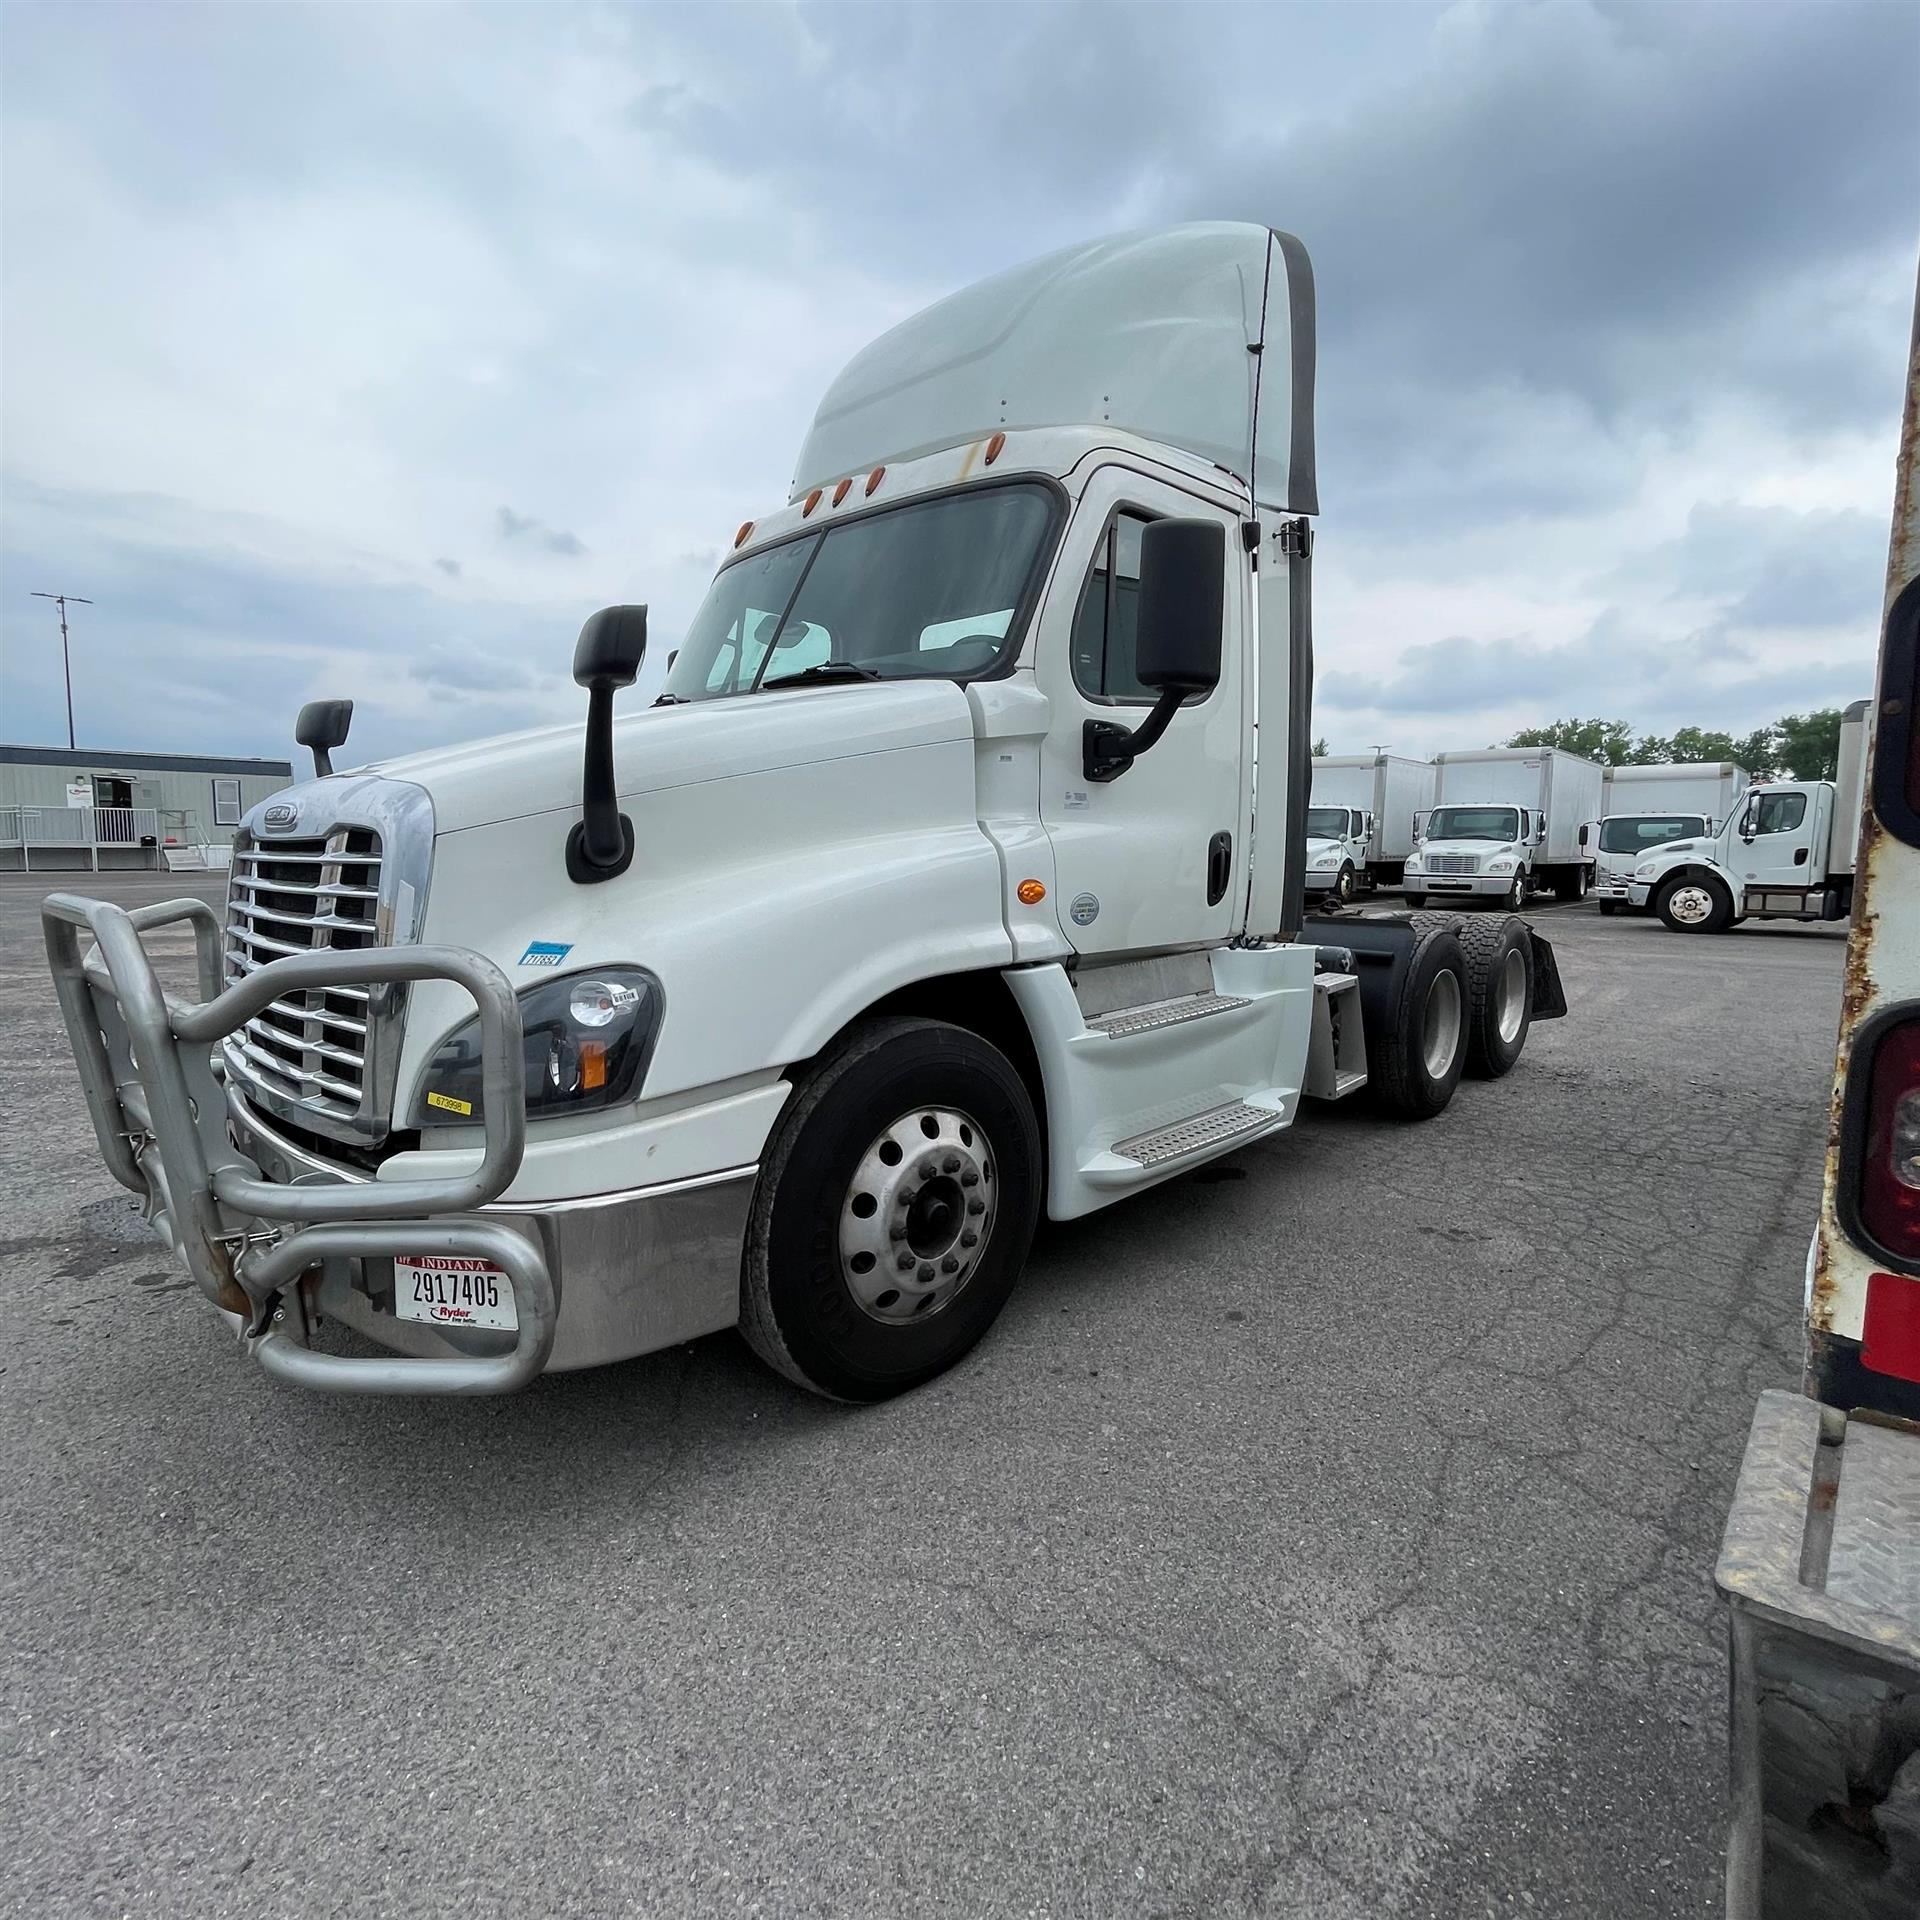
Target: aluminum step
x: 1164, y: 1013
x: 1213, y: 1128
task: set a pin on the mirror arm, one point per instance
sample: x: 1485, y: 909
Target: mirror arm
x: 1107, y: 749
x: 601, y: 844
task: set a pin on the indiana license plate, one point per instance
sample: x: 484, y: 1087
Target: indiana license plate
x: 451, y: 1290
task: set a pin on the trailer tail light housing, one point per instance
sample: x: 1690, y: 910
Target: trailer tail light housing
x: 1879, y: 1189
x: 1896, y: 766
x: 1890, y: 1339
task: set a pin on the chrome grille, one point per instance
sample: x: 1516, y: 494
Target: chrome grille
x: 314, y: 895
x: 1453, y: 863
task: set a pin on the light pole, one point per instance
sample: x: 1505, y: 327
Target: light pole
x: 60, y: 600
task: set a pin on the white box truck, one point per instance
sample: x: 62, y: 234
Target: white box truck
x: 955, y: 876
x: 1652, y: 806
x: 1391, y: 790
x: 1786, y: 853
x: 1504, y: 821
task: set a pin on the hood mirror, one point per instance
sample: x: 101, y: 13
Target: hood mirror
x: 322, y: 726
x: 606, y: 657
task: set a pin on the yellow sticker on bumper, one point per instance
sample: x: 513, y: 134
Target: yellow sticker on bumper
x: 452, y: 1105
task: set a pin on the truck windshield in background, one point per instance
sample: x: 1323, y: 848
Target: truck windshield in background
x: 938, y: 589
x: 1327, y: 823
x: 1631, y: 835
x: 1473, y: 823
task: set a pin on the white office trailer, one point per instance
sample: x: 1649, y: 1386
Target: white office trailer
x: 1504, y: 821
x: 65, y: 808
x: 1393, y: 788
x: 1653, y: 806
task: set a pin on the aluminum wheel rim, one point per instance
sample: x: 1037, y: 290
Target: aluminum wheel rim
x: 1440, y: 1025
x: 1690, y: 905
x: 918, y: 1214
x: 1510, y: 996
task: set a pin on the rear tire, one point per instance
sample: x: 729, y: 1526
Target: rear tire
x: 1570, y: 884
x: 862, y: 1322
x: 1499, y: 958
x: 1695, y: 906
x: 1424, y: 1049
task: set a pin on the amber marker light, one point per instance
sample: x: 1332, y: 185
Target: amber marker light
x: 813, y: 500
x: 874, y: 479
x: 994, y: 445
x: 1031, y: 892
x: 740, y: 538
x: 840, y: 492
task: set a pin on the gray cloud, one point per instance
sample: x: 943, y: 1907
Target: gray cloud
x: 451, y: 568
x: 536, y: 533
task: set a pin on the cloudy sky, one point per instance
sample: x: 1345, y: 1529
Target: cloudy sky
x: 353, y: 349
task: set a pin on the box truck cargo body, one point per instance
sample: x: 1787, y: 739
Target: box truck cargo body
x: 1504, y: 821
x: 1713, y: 788
x: 1394, y: 788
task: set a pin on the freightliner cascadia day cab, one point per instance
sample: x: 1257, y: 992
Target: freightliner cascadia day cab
x: 1820, y: 1563
x: 1505, y: 821
x: 955, y: 875
x: 1785, y: 853
x: 1336, y: 851
x: 1391, y: 790
x: 1652, y: 806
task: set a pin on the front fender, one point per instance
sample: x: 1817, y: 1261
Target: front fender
x: 1692, y: 867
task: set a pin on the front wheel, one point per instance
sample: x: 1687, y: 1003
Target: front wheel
x: 1695, y: 906
x: 1516, y: 895
x: 1345, y: 887
x: 1609, y: 908
x: 1414, y: 900
x: 894, y: 1211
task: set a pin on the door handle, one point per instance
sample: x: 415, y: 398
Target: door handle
x: 1799, y: 856
x: 1219, y: 867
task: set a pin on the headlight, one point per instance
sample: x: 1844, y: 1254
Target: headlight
x: 1322, y: 861
x: 1413, y: 863
x: 1500, y: 866
x: 586, y: 1041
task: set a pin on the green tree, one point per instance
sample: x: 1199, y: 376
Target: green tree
x: 1809, y: 743
x: 1608, y: 741
x: 1321, y: 749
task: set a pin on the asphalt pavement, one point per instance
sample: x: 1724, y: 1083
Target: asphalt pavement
x: 1326, y: 1534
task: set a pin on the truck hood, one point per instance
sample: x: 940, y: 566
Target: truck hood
x: 482, y: 782
x: 1318, y: 843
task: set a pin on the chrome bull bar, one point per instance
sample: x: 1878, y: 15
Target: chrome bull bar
x: 159, y: 1113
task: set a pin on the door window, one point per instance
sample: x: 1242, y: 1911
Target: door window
x: 1777, y: 812
x: 1107, y: 624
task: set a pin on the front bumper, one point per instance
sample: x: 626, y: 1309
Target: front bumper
x: 278, y: 1240
x: 1639, y: 893
x: 1478, y: 886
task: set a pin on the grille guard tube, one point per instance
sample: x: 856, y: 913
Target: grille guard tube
x: 145, y: 1061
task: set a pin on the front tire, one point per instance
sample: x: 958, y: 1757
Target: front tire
x: 900, y: 1146
x: 1609, y: 908
x: 1414, y: 900
x: 1516, y: 895
x: 1345, y: 887
x: 1695, y: 906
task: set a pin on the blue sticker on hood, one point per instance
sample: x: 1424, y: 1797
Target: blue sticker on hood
x: 545, y: 953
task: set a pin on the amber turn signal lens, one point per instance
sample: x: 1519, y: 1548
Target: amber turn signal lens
x: 813, y: 500
x: 746, y: 527
x: 875, y: 477
x: 1031, y: 893
x: 840, y: 492
x: 994, y: 445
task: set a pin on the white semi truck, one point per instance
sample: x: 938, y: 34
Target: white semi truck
x: 1505, y: 821
x: 956, y: 875
x: 1391, y: 791
x: 1786, y: 853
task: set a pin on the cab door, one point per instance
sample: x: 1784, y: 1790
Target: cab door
x: 1155, y: 858
x: 1774, y: 845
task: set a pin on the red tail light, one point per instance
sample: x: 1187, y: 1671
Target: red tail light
x: 1890, y: 1148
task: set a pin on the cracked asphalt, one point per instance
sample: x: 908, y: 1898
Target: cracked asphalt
x: 1328, y: 1534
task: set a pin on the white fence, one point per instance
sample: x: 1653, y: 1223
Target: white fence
x: 88, y: 827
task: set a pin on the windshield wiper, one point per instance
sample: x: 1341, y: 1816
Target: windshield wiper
x: 822, y: 670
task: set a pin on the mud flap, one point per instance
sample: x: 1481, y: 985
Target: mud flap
x: 1549, y: 997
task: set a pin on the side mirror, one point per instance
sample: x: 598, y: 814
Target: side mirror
x: 1584, y: 831
x: 1182, y: 612
x: 322, y: 726
x: 1419, y: 827
x: 606, y: 657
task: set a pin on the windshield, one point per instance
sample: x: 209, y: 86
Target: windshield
x: 1473, y: 823
x: 933, y: 589
x: 1630, y: 834
x: 1327, y: 823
